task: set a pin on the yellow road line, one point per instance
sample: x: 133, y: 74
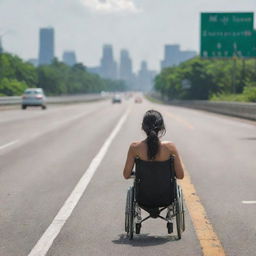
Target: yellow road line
x: 181, y: 120
x: 209, y: 241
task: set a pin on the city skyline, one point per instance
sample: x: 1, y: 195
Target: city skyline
x: 43, y: 33
x: 47, y: 45
x: 143, y: 27
x: 109, y: 68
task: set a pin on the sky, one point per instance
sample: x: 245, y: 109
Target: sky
x: 141, y: 26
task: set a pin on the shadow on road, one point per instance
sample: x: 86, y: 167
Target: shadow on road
x: 144, y: 240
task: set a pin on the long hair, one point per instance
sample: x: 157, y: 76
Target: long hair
x: 153, y: 126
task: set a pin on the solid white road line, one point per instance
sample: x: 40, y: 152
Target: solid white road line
x: 249, y: 202
x: 8, y: 144
x: 43, y: 245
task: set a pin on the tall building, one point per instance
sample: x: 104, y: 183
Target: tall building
x: 69, y: 58
x: 186, y: 55
x: 94, y: 70
x: 145, y: 78
x: 108, y: 66
x: 46, y: 48
x: 174, y: 56
x: 34, y: 62
x: 125, y: 68
x: 171, y: 55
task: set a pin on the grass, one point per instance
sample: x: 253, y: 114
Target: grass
x: 154, y: 100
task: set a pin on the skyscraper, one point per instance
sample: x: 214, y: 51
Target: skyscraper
x: 186, y: 55
x: 174, y: 56
x: 108, y: 67
x: 46, y: 48
x: 34, y: 62
x: 145, y: 78
x: 171, y: 55
x: 69, y: 58
x: 125, y: 70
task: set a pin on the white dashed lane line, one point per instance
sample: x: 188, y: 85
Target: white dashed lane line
x: 44, y: 243
x: 248, y: 202
x: 8, y: 144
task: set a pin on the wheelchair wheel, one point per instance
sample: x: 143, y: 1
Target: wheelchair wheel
x: 129, y: 213
x: 180, y: 218
x: 126, y: 227
x: 182, y: 212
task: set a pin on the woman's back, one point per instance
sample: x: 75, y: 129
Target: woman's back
x: 163, y: 154
x: 152, y: 149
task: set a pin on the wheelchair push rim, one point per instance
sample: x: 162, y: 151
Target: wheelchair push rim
x: 180, y: 218
x: 126, y: 226
x: 129, y: 213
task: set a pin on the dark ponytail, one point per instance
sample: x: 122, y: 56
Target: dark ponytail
x: 153, y: 125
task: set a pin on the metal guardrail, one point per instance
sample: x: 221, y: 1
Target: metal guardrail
x: 243, y: 110
x: 15, y: 100
x: 10, y: 100
x: 237, y: 109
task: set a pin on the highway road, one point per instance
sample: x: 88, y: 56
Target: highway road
x: 62, y: 192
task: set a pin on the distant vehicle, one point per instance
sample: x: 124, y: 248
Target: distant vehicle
x: 138, y: 99
x: 116, y: 99
x: 33, y: 97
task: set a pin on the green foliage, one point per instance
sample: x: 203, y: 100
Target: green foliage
x: 55, y: 79
x: 227, y: 97
x: 10, y: 87
x: 209, y: 79
x: 12, y: 67
x: 249, y: 93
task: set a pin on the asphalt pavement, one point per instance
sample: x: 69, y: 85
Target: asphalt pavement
x: 44, y: 154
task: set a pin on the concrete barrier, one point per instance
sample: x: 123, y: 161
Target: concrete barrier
x: 237, y: 109
x: 243, y: 110
x: 10, y: 100
x: 15, y: 100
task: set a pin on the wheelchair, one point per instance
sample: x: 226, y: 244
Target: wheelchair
x: 154, y: 190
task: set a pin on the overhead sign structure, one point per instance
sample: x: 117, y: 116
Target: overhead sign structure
x: 225, y: 35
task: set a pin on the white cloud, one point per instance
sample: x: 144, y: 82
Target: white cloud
x: 107, y: 6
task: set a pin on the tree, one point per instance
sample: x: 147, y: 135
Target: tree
x: 56, y: 78
x: 207, y: 78
x: 10, y: 87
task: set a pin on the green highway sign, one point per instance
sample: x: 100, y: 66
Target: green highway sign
x: 225, y: 35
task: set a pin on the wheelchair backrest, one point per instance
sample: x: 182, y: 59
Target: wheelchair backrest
x: 155, y: 182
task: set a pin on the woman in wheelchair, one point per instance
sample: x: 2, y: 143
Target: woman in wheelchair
x: 157, y: 165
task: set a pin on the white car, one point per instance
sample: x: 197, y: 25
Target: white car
x: 116, y: 99
x: 33, y: 97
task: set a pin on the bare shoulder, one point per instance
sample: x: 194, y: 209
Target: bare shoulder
x: 135, y: 144
x: 170, y: 146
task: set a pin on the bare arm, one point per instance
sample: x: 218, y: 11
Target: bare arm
x: 178, y: 164
x: 129, y: 162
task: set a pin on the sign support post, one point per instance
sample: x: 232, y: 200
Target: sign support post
x: 234, y: 76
